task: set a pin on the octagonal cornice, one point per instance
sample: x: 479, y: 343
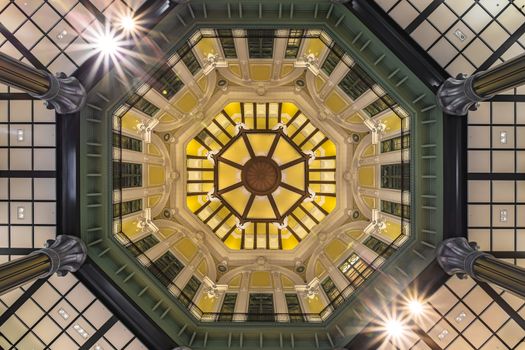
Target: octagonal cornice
x: 381, y: 64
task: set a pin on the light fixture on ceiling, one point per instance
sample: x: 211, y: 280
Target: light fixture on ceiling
x: 461, y: 36
x: 503, y: 215
x: 62, y: 34
x: 443, y: 334
x: 63, y: 313
x: 107, y: 44
x: 394, y: 328
x: 460, y: 317
x: 503, y: 137
x: 128, y: 23
x: 20, y: 135
x: 80, y: 331
x: 415, y: 307
x: 20, y: 213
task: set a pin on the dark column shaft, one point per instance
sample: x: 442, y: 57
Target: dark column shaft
x: 17, y: 74
x: 457, y: 256
x: 456, y: 96
x: 501, y: 273
x: 17, y: 272
x: 505, y: 76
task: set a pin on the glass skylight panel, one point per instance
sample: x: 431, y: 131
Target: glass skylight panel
x: 189, y: 59
x: 141, y: 104
x: 295, y: 38
x: 356, y: 82
x: 333, y: 58
x: 260, y: 43
x: 227, y: 43
x: 166, y: 82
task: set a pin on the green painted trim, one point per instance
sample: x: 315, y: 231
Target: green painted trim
x: 426, y: 129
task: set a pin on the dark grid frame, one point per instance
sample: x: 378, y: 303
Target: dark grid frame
x: 35, y: 176
x: 424, y: 15
x: 30, y: 300
x: 488, y: 176
x: 513, y: 178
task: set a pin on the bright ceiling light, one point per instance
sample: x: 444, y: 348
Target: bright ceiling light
x: 394, y: 328
x: 415, y: 307
x: 128, y: 23
x: 107, y: 44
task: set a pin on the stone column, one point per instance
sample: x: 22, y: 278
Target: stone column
x: 281, y: 308
x: 62, y: 93
x: 459, y: 95
x: 63, y: 255
x: 241, y: 305
x: 459, y: 257
x: 339, y: 279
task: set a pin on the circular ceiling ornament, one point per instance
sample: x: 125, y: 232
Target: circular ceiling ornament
x: 260, y: 176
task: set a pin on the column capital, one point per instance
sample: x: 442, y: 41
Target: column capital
x: 67, y: 254
x: 65, y: 94
x: 457, y: 96
x: 457, y: 256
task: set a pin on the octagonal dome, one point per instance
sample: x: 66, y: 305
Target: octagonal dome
x: 261, y: 175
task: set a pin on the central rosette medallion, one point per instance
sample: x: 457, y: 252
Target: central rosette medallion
x: 260, y: 175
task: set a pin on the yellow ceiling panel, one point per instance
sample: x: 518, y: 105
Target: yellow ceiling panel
x: 289, y: 243
x: 237, y: 198
x: 233, y: 242
x: 289, y: 109
x: 227, y: 175
x: 284, y: 152
x: 286, y: 69
x: 294, y: 176
x: 156, y: 175
x: 314, y: 46
x: 285, y: 199
x: 260, y: 279
x: 186, y: 248
x: 205, y: 47
x: 261, y: 143
x: 335, y: 102
x: 237, y: 152
x: 367, y: 176
x: 261, y: 208
x: 186, y: 102
x: 261, y: 72
x: 153, y: 150
x: 153, y: 200
x: 235, y: 69
x: 335, y: 249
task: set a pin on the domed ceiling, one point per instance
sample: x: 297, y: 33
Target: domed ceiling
x: 261, y: 175
x: 261, y: 164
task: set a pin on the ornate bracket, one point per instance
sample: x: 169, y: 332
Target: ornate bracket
x: 67, y: 254
x: 65, y: 94
x: 456, y: 96
x: 457, y: 256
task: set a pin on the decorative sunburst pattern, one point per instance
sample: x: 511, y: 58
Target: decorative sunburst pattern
x: 261, y: 176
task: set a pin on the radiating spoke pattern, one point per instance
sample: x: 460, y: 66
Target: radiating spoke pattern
x: 265, y: 184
